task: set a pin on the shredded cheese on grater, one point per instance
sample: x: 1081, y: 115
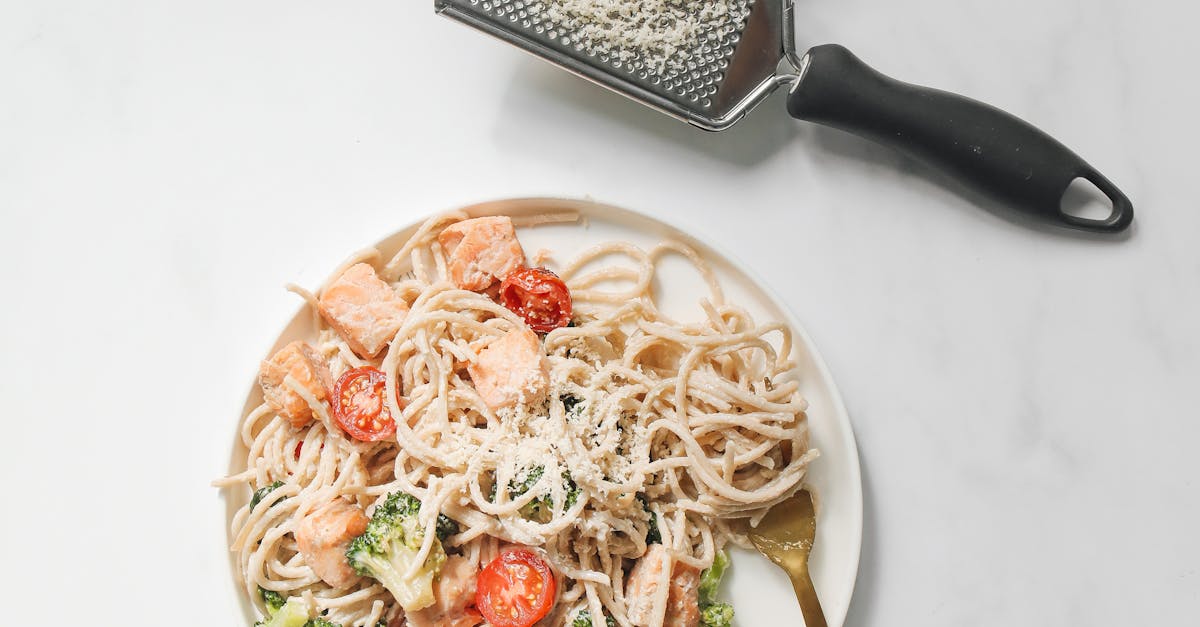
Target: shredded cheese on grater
x: 661, y: 34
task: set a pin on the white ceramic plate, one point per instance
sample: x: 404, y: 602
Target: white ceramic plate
x: 759, y: 592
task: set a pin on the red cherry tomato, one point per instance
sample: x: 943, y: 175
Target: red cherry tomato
x: 358, y: 405
x: 538, y: 296
x: 300, y: 449
x: 516, y: 589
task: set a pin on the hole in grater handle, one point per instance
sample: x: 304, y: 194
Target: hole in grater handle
x: 1085, y: 201
x: 1092, y: 202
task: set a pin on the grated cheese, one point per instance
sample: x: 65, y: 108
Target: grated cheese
x: 660, y: 34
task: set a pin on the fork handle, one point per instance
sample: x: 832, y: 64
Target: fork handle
x: 983, y: 147
x: 806, y: 594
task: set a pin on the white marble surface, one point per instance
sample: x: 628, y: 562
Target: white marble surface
x: 1024, y: 399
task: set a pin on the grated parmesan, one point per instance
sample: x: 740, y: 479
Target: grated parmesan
x: 660, y: 34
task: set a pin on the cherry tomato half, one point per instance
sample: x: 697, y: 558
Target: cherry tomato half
x: 358, y: 405
x: 515, y: 590
x: 538, y: 296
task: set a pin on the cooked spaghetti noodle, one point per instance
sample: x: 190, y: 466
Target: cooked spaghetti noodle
x: 686, y: 426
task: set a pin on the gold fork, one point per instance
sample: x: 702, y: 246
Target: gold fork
x: 786, y: 536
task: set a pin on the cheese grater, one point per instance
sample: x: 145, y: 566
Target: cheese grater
x: 731, y: 66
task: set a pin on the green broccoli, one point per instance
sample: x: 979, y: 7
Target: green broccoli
x: 653, y: 535
x: 388, y: 548
x: 531, y: 479
x: 712, y: 612
x: 446, y: 527
x: 710, y: 579
x: 584, y: 619
x: 272, y: 599
x: 572, y: 405
x: 572, y: 490
x: 262, y: 492
x: 717, y: 615
x: 540, y: 509
x: 321, y: 622
x: 293, y: 613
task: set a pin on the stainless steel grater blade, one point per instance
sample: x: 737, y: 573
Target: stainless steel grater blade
x: 733, y: 63
x: 729, y: 69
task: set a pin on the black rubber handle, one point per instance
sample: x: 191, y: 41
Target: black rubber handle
x: 992, y: 151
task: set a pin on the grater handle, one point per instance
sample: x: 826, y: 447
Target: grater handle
x: 983, y: 147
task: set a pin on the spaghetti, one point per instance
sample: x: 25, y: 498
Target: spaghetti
x: 649, y: 427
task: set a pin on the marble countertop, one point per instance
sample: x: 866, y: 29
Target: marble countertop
x: 1023, y: 397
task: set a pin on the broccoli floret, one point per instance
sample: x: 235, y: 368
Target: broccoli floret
x: 572, y: 490
x: 717, y: 615
x: 572, y: 405
x: 531, y: 479
x: 272, y: 599
x: 540, y: 509
x: 388, y: 548
x: 446, y: 527
x: 710, y: 579
x: 584, y: 619
x: 262, y: 492
x: 293, y: 613
x: 653, y: 535
x: 411, y: 506
x: 321, y: 622
x: 712, y: 612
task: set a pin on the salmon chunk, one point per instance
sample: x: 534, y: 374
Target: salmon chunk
x: 481, y: 251
x: 363, y: 309
x: 323, y: 536
x: 454, y: 596
x: 511, y: 368
x: 643, y: 587
x: 299, y: 360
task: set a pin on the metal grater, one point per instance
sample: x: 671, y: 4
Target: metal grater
x: 735, y: 63
x: 731, y: 67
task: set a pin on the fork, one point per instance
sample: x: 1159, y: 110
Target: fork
x: 786, y: 535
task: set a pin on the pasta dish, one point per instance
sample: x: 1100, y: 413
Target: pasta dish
x: 472, y: 438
